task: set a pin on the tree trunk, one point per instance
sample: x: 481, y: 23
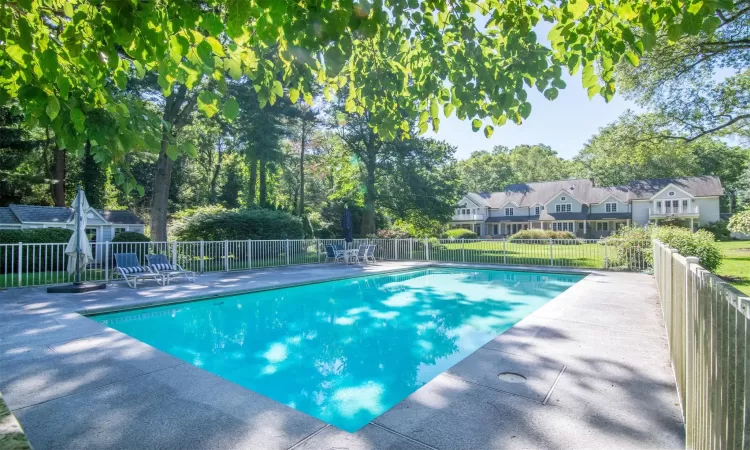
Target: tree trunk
x: 215, y: 174
x: 253, y: 180
x: 368, y: 218
x: 303, y: 144
x: 174, y: 114
x: 58, y: 175
x: 262, y: 181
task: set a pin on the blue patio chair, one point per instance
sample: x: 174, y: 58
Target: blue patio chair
x: 160, y: 264
x: 370, y: 254
x: 333, y: 254
x: 131, y: 270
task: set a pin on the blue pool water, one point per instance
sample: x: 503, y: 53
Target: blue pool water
x: 344, y: 351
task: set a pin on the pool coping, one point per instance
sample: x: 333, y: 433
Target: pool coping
x: 94, y: 311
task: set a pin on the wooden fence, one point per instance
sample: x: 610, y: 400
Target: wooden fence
x: 708, y: 326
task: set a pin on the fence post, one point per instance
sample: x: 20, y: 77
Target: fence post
x: 106, y: 261
x: 606, y: 258
x: 174, y: 253
x: 551, y: 260
x: 287, y: 252
x: 411, y: 249
x: 463, y: 250
x: 505, y: 254
x: 395, y: 244
x: 317, y: 248
x: 249, y: 254
x: 20, y: 263
x: 202, y: 255
x: 427, y: 248
x: 226, y: 256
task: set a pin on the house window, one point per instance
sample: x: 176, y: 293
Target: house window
x: 562, y: 199
x: 508, y: 211
x: 496, y: 230
x: 671, y: 193
x: 119, y: 230
x: 610, y: 207
x: 563, y: 207
x: 537, y: 211
x: 684, y: 205
x: 580, y: 225
x: 562, y: 226
x: 602, y: 226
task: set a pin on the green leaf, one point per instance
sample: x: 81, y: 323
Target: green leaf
x: 277, y: 88
x: 524, y: 109
x: 189, y: 149
x: 423, y: 126
x: 48, y: 63
x: 593, y: 90
x: 64, y: 85
x: 211, y: 23
x: 234, y: 68
x: 711, y: 24
x: 577, y: 8
x: 488, y: 130
x: 140, y: 72
x: 588, y: 77
x: 205, y: 53
x: 173, y: 152
x: 293, y: 95
x: 625, y: 11
x: 308, y: 98
x: 68, y: 9
x: 551, y: 93
x: 674, y: 32
x: 78, y: 119
x: 434, y: 111
x: 633, y: 58
x: 649, y: 39
x: 208, y: 103
x: 448, y: 109
x: 231, y: 109
x: 16, y: 53
x: 695, y: 7
x: 53, y: 107
x: 476, y: 124
x: 178, y: 47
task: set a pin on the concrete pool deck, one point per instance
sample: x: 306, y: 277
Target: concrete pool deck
x: 595, y: 360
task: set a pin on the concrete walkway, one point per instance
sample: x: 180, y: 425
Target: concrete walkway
x: 595, y: 361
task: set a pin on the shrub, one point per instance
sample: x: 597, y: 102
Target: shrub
x: 700, y: 244
x: 542, y: 234
x: 131, y: 236
x: 633, y: 249
x: 720, y: 230
x: 740, y: 222
x: 237, y: 225
x: 460, y: 233
x: 392, y: 233
x: 46, y: 260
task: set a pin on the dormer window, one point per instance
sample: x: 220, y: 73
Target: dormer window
x: 610, y: 207
x: 537, y: 210
x: 508, y: 211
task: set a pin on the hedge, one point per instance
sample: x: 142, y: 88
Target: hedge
x: 49, y: 258
x: 700, y: 244
x: 633, y: 249
x: 460, y: 233
x: 238, y: 225
x: 541, y: 234
x: 131, y: 236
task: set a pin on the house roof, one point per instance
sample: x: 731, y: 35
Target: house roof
x: 16, y: 214
x: 608, y: 216
x: 527, y: 194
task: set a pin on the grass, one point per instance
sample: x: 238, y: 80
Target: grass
x: 735, y: 266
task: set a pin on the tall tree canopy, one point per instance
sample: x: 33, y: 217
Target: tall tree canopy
x: 402, y: 60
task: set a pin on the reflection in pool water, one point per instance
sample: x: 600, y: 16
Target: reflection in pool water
x: 345, y: 351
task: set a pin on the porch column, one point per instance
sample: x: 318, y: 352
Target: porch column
x: 584, y: 227
x: 691, y: 225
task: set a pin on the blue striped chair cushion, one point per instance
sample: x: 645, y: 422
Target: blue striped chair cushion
x: 132, y: 269
x: 162, y: 266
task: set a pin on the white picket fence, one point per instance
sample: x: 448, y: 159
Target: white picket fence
x: 708, y: 327
x: 34, y: 264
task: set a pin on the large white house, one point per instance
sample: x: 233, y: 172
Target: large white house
x: 101, y: 226
x: 588, y: 210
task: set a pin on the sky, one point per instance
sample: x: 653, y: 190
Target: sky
x: 565, y: 124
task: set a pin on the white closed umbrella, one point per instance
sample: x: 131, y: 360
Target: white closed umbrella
x: 78, y: 248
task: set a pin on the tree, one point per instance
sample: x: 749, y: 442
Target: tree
x: 740, y: 222
x: 684, y: 77
x: 402, y: 60
x: 492, y: 171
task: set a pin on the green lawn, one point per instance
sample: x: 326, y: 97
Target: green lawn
x: 735, y: 266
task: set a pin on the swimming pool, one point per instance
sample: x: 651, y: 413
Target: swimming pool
x: 344, y: 351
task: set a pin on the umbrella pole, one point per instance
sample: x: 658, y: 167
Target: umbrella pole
x: 78, y: 239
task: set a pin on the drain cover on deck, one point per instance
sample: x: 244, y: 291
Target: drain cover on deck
x: 510, y: 377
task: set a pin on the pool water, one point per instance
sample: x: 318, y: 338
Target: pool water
x: 344, y: 351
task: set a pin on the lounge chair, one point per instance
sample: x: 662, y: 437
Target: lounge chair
x: 361, y: 254
x: 131, y: 270
x: 370, y: 254
x: 334, y: 254
x: 160, y: 264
